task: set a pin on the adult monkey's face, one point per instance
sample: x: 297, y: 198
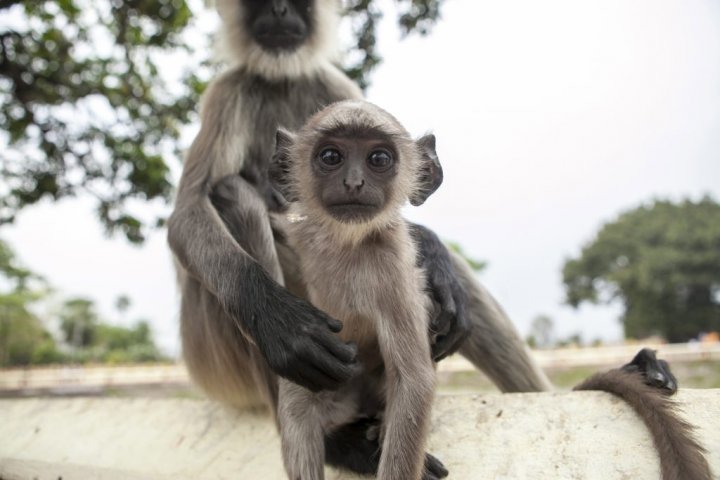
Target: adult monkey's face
x: 279, y: 25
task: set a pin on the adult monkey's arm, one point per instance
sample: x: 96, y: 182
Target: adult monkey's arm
x: 296, y: 339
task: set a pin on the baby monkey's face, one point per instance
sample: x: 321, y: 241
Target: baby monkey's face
x: 353, y: 177
x: 353, y: 162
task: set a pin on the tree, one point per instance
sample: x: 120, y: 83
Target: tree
x: 79, y: 322
x: 84, y: 106
x: 94, y: 340
x: 475, y: 264
x: 122, y: 303
x: 124, y: 345
x: 16, y: 277
x: 541, y: 332
x: 86, y: 109
x: 662, y: 261
x: 415, y: 16
x: 23, y: 338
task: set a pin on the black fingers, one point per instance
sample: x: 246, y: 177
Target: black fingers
x: 448, y: 311
x: 316, y: 358
x: 334, y: 325
x: 297, y: 340
x: 434, y: 469
x: 446, y: 345
x: 450, y: 326
x: 665, y: 377
x: 337, y: 368
x: 316, y: 379
x: 347, y: 352
x: 655, y: 372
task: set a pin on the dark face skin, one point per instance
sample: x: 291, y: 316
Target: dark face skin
x: 279, y: 25
x: 354, y: 177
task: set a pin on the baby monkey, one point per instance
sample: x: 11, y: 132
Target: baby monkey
x: 346, y: 173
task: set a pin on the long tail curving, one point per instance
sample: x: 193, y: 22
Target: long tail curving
x: 681, y: 455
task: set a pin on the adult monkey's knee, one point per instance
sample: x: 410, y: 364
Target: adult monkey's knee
x: 246, y: 217
x: 219, y: 357
x: 494, y: 344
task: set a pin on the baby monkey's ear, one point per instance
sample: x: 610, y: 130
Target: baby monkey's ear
x: 279, y: 171
x: 431, y: 174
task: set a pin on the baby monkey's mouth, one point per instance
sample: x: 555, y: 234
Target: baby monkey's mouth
x: 352, y: 211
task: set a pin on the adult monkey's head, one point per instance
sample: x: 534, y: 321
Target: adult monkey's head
x: 278, y: 38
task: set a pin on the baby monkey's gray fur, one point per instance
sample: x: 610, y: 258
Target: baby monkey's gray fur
x: 348, y: 172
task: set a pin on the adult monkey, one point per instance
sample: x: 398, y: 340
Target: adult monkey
x: 240, y: 327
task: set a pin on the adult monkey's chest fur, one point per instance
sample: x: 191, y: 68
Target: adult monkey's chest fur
x: 273, y: 104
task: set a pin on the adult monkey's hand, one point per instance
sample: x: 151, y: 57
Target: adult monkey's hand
x: 449, y: 327
x: 298, y: 340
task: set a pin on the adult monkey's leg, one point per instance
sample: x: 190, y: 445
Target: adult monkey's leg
x: 469, y: 320
x: 223, y: 361
x: 494, y: 344
x: 219, y: 358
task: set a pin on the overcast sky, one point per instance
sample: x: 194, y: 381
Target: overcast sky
x: 552, y: 118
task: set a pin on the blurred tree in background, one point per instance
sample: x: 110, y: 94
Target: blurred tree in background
x: 23, y: 337
x: 475, y: 264
x: 541, y: 332
x: 84, y: 106
x: 86, y: 109
x: 127, y: 345
x: 662, y: 261
x: 25, y: 340
x: 79, y: 322
x: 414, y: 16
x: 90, y: 339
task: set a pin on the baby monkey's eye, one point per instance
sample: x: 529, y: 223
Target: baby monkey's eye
x: 380, y: 160
x: 330, y: 157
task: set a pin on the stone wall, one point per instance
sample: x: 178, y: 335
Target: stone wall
x: 579, y: 435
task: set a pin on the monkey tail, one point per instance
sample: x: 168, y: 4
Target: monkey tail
x: 681, y: 456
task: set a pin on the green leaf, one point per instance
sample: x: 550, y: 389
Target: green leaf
x: 58, y: 62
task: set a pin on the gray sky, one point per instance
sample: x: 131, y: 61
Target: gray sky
x: 552, y: 117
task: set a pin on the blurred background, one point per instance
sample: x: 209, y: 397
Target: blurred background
x: 580, y: 143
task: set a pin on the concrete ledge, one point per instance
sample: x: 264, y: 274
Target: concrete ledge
x: 580, y: 435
